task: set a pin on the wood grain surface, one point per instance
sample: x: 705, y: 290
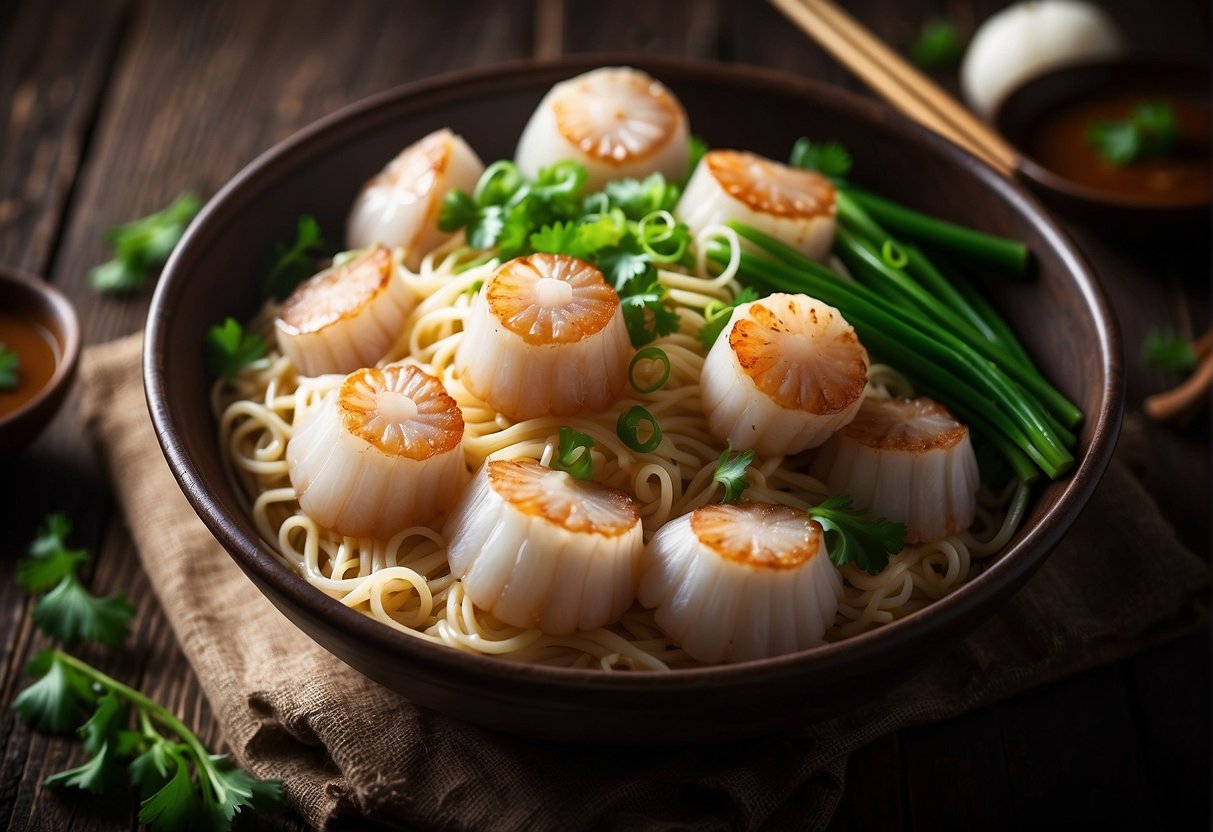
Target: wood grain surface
x: 110, y: 108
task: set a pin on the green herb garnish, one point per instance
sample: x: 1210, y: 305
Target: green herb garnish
x: 625, y: 230
x: 649, y: 354
x: 143, y: 245
x: 730, y: 472
x: 1150, y: 131
x: 67, y: 611
x: 181, y: 784
x: 628, y: 429
x: 228, y: 349
x: 827, y: 158
x: 573, y: 455
x: 9, y: 378
x: 854, y: 536
x: 716, y: 315
x: 286, y: 266
x: 939, y: 45
x: 1169, y: 351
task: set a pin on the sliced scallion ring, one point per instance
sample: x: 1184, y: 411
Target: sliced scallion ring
x: 649, y: 354
x: 628, y: 429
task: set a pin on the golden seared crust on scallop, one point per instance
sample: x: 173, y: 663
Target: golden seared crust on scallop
x: 770, y: 187
x: 551, y: 298
x: 582, y: 507
x: 401, y: 410
x: 906, y: 425
x: 821, y: 369
x: 761, y: 535
x: 617, y: 116
x: 337, y: 293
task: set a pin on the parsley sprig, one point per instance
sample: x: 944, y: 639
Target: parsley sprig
x: 286, y: 266
x: 626, y: 230
x: 9, y: 378
x: 181, y: 785
x: 939, y: 45
x: 143, y: 245
x: 830, y: 159
x: 1169, y: 351
x: 66, y: 610
x: 854, y: 536
x: 730, y: 472
x: 228, y: 349
x: 1149, y: 131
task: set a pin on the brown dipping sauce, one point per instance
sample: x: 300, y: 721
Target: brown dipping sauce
x: 37, y: 357
x: 1060, y: 144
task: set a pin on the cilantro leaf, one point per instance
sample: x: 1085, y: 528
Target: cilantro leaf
x: 580, y: 240
x: 175, y: 805
x: 49, y: 561
x: 96, y: 775
x: 53, y: 534
x: 228, y: 349
x: 827, y: 158
x: 59, y: 700
x: 70, y: 614
x: 730, y: 472
x: 142, y: 245
x: 458, y: 210
x: 638, y: 198
x: 149, y: 771
x: 716, y: 316
x: 286, y: 266
x: 8, y: 369
x: 621, y: 263
x: 231, y: 788
x: 644, y: 313
x: 573, y: 455
x: 266, y: 797
x: 854, y: 536
x: 1150, y: 130
x: 1169, y: 351
x: 939, y: 45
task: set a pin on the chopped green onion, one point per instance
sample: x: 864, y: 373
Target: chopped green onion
x: 893, y: 255
x: 628, y: 429
x: 573, y: 455
x: 649, y: 354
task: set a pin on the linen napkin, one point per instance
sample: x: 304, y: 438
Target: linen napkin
x: 350, y: 751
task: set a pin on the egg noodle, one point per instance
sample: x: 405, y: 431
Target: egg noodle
x: 405, y: 582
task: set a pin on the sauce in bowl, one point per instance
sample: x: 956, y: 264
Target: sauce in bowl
x: 38, y: 355
x: 1060, y: 142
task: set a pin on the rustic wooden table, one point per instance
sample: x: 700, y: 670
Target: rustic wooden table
x: 110, y: 108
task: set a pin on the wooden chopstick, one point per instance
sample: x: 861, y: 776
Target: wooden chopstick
x: 894, y: 79
x: 1179, y: 404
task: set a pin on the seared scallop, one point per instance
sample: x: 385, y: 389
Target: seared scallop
x: 616, y: 121
x: 731, y: 583
x: 908, y: 460
x: 383, y: 453
x: 537, y: 548
x: 789, y: 373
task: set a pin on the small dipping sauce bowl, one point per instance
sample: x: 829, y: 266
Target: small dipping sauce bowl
x: 1048, y: 119
x: 39, y: 325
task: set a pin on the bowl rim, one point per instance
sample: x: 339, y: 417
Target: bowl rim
x: 65, y: 327
x: 1131, y: 65
x: 1011, y: 567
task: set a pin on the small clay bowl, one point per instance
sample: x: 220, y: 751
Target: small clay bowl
x: 1021, y: 114
x: 36, y: 302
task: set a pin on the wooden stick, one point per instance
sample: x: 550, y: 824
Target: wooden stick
x: 895, y: 80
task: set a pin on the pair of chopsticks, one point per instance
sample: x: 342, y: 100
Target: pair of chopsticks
x: 899, y: 83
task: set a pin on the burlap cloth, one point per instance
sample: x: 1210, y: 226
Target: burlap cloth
x: 347, y: 748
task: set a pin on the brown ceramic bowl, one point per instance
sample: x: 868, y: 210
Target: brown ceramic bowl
x: 1021, y: 113
x: 1060, y: 314
x: 37, y: 302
